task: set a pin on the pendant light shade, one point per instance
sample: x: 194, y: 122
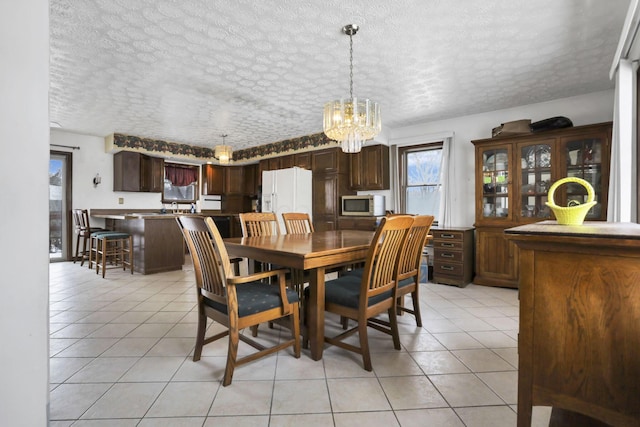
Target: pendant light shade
x: 351, y: 121
x: 223, y: 152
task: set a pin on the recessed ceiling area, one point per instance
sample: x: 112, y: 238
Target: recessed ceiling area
x: 260, y: 71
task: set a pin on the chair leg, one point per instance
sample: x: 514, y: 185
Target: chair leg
x: 416, y: 307
x: 75, y: 257
x: 84, y: 250
x: 295, y: 331
x: 364, y: 344
x: 232, y: 354
x: 105, y: 246
x: 254, y: 331
x: 344, y: 321
x: 393, y: 324
x: 202, y: 328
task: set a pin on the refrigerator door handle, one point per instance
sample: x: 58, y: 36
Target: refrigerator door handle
x: 274, y: 198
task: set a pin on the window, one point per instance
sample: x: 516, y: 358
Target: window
x: 180, y: 183
x: 421, y: 188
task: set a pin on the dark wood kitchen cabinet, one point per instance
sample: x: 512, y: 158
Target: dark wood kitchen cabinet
x: 302, y: 160
x: 233, y: 180
x: 212, y: 180
x: 251, y: 179
x: 137, y: 172
x: 330, y: 181
x: 369, y: 169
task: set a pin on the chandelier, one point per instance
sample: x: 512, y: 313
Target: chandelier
x: 223, y: 152
x: 351, y: 121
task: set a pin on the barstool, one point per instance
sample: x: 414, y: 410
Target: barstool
x: 116, y: 247
x: 83, y: 230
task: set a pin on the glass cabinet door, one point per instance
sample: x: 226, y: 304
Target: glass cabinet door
x: 495, y: 183
x: 535, y: 179
x: 583, y: 159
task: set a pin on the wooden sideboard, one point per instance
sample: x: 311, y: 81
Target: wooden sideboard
x: 579, y: 339
x: 453, y: 255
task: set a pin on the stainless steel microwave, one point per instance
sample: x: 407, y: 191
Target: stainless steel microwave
x: 365, y: 205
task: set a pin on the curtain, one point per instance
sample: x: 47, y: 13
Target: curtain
x: 180, y: 175
x: 395, y: 178
x: 622, y: 200
x: 449, y: 188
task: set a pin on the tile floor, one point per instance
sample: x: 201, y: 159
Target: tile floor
x: 121, y: 356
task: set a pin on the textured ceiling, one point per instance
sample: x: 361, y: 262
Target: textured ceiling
x: 260, y: 71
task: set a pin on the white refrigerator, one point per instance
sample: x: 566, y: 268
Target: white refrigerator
x: 286, y: 190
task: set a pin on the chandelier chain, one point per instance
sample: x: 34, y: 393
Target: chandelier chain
x: 351, y: 65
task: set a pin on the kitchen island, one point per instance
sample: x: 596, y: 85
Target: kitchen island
x: 157, y: 240
x: 158, y: 244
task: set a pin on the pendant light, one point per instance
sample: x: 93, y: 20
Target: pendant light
x: 351, y: 121
x: 223, y: 152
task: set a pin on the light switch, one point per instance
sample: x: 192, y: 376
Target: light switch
x: 120, y: 200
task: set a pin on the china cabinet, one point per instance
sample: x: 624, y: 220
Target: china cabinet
x: 513, y: 176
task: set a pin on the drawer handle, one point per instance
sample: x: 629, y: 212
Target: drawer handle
x: 446, y: 255
x: 447, y: 245
x: 446, y: 267
x: 447, y: 236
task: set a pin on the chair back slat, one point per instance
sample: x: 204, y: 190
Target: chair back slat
x: 382, y: 258
x: 210, y: 258
x: 410, y: 256
x: 77, y: 219
x: 297, y: 223
x: 81, y: 219
x: 259, y: 224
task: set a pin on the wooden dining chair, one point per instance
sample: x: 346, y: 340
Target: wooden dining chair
x: 266, y: 224
x: 237, y: 302
x: 259, y: 224
x: 362, y: 298
x: 297, y: 223
x: 409, y: 268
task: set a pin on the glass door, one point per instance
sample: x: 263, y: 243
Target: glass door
x: 584, y: 159
x: 496, y: 183
x: 59, y: 205
x: 535, y: 179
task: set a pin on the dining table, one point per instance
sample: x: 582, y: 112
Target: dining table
x: 315, y: 253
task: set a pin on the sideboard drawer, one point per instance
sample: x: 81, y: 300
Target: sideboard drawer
x: 446, y: 256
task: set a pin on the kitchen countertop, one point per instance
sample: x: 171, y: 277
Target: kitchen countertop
x: 124, y: 215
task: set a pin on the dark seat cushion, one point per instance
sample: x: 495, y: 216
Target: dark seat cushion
x: 406, y: 282
x: 255, y: 297
x: 345, y: 291
x: 110, y: 235
x: 358, y: 272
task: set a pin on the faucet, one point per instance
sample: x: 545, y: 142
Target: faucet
x: 174, y: 207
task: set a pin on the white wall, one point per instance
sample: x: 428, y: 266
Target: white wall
x: 24, y: 226
x: 90, y: 159
x: 585, y: 109
x: 582, y: 110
